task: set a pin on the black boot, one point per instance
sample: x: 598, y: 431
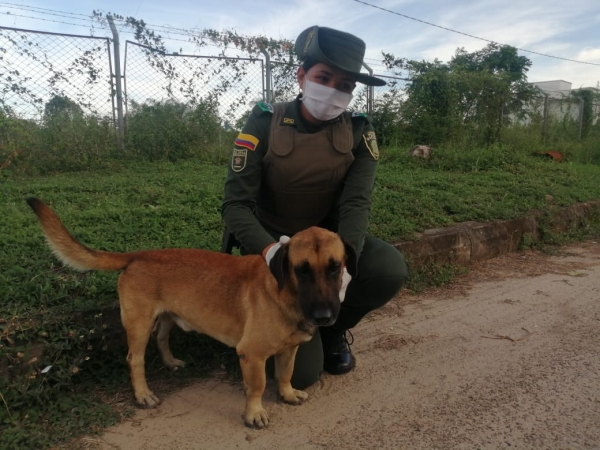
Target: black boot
x: 337, y: 357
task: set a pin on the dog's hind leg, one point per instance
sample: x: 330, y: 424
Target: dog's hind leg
x: 138, y: 327
x: 284, y: 367
x: 164, y: 324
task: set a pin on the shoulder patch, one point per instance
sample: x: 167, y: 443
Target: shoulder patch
x: 265, y: 107
x: 371, y: 143
x: 238, y: 159
x: 247, y: 141
x: 359, y: 114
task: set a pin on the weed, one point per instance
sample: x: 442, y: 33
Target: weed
x: 433, y: 275
x: 527, y: 242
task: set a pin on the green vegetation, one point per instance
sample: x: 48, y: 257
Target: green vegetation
x: 68, y: 141
x: 41, y: 319
x: 478, y: 99
x: 136, y: 205
x: 62, y: 355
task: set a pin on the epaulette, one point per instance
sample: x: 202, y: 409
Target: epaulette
x: 262, y: 108
x: 362, y: 115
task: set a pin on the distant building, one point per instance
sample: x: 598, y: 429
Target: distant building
x: 561, y: 103
x: 554, y: 89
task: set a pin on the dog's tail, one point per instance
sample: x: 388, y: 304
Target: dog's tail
x: 71, y: 252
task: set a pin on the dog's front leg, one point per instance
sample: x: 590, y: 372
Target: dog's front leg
x: 255, y: 380
x: 284, y: 367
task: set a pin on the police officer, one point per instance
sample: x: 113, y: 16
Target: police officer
x: 310, y: 162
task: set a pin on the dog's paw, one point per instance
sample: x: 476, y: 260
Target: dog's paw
x: 175, y: 364
x: 294, y: 397
x: 257, y: 419
x: 148, y: 400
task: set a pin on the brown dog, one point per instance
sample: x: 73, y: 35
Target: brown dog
x: 237, y: 300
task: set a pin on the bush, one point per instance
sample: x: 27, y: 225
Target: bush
x: 69, y: 141
x: 61, y: 143
x: 174, y: 131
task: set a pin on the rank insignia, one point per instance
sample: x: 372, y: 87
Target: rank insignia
x: 371, y: 143
x: 266, y: 107
x: 247, y: 141
x: 238, y: 160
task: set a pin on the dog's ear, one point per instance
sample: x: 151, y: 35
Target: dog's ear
x: 279, y: 265
x: 351, y: 262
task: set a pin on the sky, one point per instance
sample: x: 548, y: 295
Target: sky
x: 565, y: 29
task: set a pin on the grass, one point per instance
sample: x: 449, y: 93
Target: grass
x: 412, y: 195
x: 127, y: 206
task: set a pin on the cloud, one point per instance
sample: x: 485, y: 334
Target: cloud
x: 589, y: 55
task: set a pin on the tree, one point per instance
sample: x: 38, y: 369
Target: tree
x: 473, y: 94
x: 61, y: 106
x: 494, y: 86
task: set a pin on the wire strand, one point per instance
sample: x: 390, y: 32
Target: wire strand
x: 472, y: 36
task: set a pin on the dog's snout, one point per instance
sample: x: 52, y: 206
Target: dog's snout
x: 322, y: 316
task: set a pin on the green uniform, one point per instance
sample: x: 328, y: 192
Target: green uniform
x: 285, y: 176
x: 328, y: 187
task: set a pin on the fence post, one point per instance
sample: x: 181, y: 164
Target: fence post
x: 120, y: 121
x: 581, y: 105
x: 269, y: 92
x: 545, y: 127
x: 370, y: 91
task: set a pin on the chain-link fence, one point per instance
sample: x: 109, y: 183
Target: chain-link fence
x: 553, y: 112
x: 283, y: 81
x: 392, y: 92
x: 40, y: 72
x: 564, y: 111
x: 229, y: 85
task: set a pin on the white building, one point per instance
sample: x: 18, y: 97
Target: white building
x: 561, y: 105
x: 554, y: 89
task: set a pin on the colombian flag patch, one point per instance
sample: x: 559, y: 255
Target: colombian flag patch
x: 247, y: 141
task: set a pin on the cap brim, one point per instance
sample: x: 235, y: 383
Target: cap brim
x: 369, y: 80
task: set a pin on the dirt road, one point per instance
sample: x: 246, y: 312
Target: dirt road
x: 506, y: 357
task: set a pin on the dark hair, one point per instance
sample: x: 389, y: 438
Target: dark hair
x: 308, y: 63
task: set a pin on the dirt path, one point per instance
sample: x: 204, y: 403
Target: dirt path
x: 506, y: 357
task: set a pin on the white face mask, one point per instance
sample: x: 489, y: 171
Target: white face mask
x: 322, y: 102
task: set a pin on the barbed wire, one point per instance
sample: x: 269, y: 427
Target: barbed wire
x: 122, y: 22
x: 42, y: 11
x: 101, y: 27
x: 75, y: 16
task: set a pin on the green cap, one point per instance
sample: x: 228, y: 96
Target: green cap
x: 337, y: 49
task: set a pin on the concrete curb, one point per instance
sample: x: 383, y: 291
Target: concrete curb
x: 468, y: 242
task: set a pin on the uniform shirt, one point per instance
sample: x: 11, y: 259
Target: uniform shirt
x: 349, y: 215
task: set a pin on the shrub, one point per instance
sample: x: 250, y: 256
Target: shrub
x: 173, y: 131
